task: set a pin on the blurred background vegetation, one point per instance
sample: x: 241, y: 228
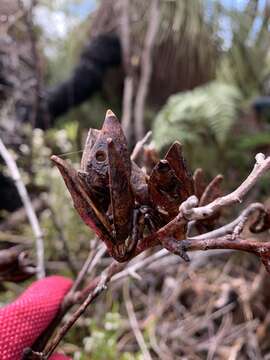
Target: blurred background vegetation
x: 211, y: 64
x: 209, y: 89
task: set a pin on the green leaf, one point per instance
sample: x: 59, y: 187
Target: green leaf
x: 208, y: 111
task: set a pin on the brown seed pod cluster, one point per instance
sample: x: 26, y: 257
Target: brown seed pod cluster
x: 119, y: 200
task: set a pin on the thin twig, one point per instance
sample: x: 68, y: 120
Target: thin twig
x: 91, y: 261
x: 139, y: 145
x: 19, y: 216
x: 113, y: 269
x: 101, y: 286
x: 127, y: 107
x: 146, y: 68
x: 235, y: 227
x: 140, y: 264
x: 129, y: 80
x: 65, y: 247
x: 33, y: 220
x: 134, y: 322
x: 191, y: 212
x: 179, y: 224
x: 258, y: 248
x: 35, y: 56
x: 72, y: 298
x: 212, y: 190
x: 125, y: 34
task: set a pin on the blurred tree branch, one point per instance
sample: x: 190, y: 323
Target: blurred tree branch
x: 32, y: 217
x: 225, y: 237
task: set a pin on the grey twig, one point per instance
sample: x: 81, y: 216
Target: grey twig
x: 32, y: 217
x: 91, y: 261
x: 104, y: 279
x: 146, y: 68
x: 235, y: 227
x: 189, y: 207
x: 139, y: 145
x: 129, y: 80
x: 62, y: 238
x: 134, y: 322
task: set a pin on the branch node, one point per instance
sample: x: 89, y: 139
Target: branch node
x: 187, y: 206
x: 260, y: 158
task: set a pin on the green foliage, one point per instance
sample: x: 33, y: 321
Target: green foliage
x: 205, y: 113
x: 251, y: 142
x: 102, y: 344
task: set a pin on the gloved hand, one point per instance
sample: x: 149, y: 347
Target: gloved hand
x: 22, y: 321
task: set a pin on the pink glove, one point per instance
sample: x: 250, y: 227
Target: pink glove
x: 27, y: 317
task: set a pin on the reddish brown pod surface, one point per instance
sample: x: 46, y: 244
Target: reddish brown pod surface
x: 116, y: 198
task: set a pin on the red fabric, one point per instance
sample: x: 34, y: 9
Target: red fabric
x: 25, y: 319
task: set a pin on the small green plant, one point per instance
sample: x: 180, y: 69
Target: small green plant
x: 102, y: 343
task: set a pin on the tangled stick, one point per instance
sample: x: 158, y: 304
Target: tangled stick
x: 225, y: 237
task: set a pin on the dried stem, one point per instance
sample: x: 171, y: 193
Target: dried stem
x: 129, y: 80
x: 32, y: 217
x: 191, y: 212
x: 146, y: 68
x: 134, y: 322
x: 138, y: 147
x: 226, y: 237
x: 234, y: 227
x: 68, y: 257
x: 72, y: 296
x: 34, y: 52
x: 226, y: 242
x: 127, y: 107
x: 125, y: 34
x: 143, y: 263
x: 91, y: 261
x: 116, y: 272
x: 100, y: 287
x: 261, y: 249
x: 20, y: 216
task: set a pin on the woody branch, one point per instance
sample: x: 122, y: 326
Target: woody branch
x: 225, y: 237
